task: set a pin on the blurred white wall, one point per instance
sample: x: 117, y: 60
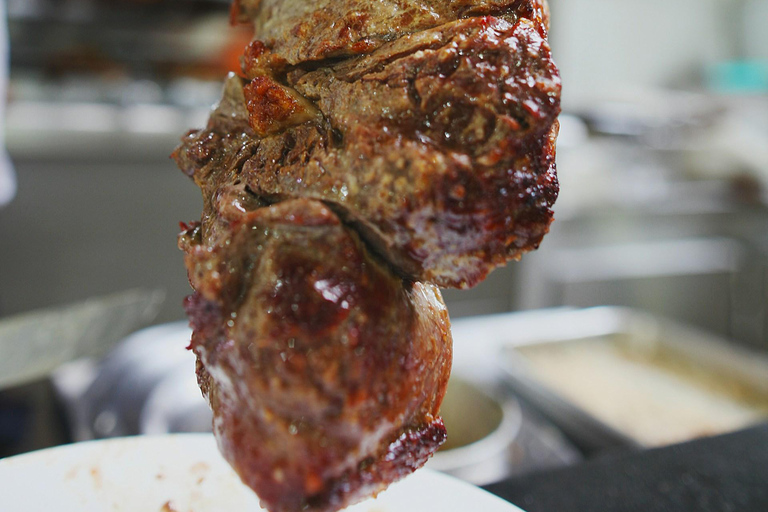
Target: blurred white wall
x: 755, y: 18
x: 606, y: 45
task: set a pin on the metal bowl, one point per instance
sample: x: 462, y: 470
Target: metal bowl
x: 481, y: 432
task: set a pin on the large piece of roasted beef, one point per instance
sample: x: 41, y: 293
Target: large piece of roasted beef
x: 370, y: 152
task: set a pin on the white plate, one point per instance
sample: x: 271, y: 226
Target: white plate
x: 185, y: 473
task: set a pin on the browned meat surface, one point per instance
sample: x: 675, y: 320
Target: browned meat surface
x: 371, y: 152
x: 324, y: 371
x: 300, y: 30
x: 438, y: 146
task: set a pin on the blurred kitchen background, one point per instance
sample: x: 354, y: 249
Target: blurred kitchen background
x: 662, y: 157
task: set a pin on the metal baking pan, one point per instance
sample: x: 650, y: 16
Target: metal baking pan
x: 614, y: 377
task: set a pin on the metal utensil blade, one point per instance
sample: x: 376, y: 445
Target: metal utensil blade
x: 33, y: 344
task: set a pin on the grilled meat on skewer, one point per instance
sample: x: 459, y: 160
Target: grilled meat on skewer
x: 371, y: 152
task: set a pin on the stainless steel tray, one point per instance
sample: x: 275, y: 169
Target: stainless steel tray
x: 676, y: 348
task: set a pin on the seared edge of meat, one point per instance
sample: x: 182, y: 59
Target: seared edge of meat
x: 302, y: 32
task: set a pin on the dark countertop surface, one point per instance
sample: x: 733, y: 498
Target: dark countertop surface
x: 716, y: 474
